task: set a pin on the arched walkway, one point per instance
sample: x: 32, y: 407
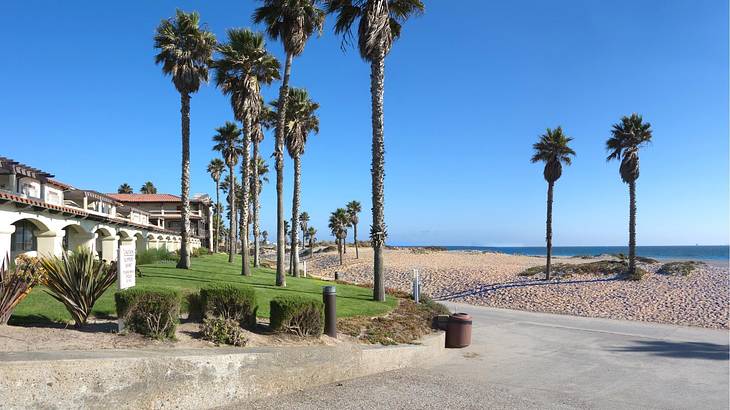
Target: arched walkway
x: 106, y: 244
x: 33, y: 238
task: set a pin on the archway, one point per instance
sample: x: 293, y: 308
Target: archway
x: 105, y: 244
x: 32, y: 238
x: 76, y: 237
x: 140, y: 245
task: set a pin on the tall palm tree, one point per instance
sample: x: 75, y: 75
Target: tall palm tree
x: 292, y: 22
x: 627, y: 137
x: 286, y: 232
x: 228, y: 142
x: 148, y: 188
x: 244, y: 65
x: 185, y: 52
x: 379, y: 24
x: 259, y: 171
x: 553, y: 150
x: 216, y: 167
x: 312, y: 238
x: 301, y: 120
x: 353, y: 210
x: 124, y: 189
x: 338, y: 227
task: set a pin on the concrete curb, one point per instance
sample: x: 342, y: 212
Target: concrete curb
x: 194, y: 378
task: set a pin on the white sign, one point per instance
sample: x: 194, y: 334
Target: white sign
x: 126, y: 271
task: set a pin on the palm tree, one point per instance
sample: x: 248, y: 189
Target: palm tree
x: 300, y: 121
x: 353, y: 209
x: 337, y: 225
x: 303, y: 223
x: 243, y: 66
x: 311, y: 234
x: 216, y: 167
x: 185, y: 52
x: 553, y: 150
x: 148, y: 188
x: 259, y: 170
x: 293, y: 22
x: 379, y: 25
x: 228, y: 142
x: 627, y: 137
x: 124, y: 189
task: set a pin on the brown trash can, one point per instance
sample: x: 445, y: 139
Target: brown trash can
x: 458, y: 332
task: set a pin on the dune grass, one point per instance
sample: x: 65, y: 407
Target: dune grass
x: 39, y: 307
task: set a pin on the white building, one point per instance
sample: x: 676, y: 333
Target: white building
x: 41, y: 216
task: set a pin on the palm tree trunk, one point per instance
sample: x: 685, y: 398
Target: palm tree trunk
x: 217, y: 215
x: 255, y: 193
x: 245, y: 168
x: 184, y: 262
x: 377, y: 78
x: 339, y: 249
x: 279, y: 154
x: 357, y: 250
x: 294, y: 216
x: 632, y: 227
x: 231, y: 215
x: 549, y: 229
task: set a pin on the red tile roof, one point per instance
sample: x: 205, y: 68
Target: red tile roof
x: 6, y: 196
x: 145, y: 197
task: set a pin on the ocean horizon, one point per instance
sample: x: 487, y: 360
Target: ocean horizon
x: 715, y: 253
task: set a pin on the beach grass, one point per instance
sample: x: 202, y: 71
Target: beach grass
x: 39, y: 307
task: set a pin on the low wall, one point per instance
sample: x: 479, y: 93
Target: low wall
x: 195, y: 378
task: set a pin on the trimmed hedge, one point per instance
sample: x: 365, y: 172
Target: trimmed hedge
x: 297, y: 314
x: 153, y: 312
x: 229, y: 302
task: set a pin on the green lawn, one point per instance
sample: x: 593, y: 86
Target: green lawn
x: 351, y: 300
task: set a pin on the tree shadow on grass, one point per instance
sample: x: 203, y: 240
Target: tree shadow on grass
x: 679, y: 350
x: 486, y: 288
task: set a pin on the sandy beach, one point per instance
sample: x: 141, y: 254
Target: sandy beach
x: 492, y: 279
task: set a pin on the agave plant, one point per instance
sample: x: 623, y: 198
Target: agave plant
x: 78, y: 281
x: 16, y: 283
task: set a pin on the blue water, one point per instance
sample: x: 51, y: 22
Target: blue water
x: 707, y: 253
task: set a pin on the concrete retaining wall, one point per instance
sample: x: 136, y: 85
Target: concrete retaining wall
x: 196, y: 378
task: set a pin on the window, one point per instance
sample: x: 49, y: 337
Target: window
x: 23, y: 239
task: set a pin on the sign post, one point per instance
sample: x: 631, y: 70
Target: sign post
x: 126, y: 272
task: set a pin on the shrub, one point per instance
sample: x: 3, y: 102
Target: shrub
x: 197, y: 252
x: 150, y: 312
x: 637, y: 275
x: 684, y: 268
x: 590, y: 268
x: 230, y: 302
x: 78, y: 281
x: 223, y: 331
x: 434, y: 307
x: 155, y: 255
x: 296, y: 314
x: 16, y: 283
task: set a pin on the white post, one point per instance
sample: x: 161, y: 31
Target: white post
x: 416, y: 286
x: 305, y: 268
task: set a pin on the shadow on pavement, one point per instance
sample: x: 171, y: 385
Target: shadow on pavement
x: 680, y: 350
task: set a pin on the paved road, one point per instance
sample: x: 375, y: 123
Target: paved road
x: 533, y: 360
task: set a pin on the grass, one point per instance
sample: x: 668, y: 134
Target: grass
x: 590, y: 268
x: 39, y: 307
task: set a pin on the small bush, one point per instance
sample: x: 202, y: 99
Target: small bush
x: 198, y: 252
x: 223, y: 331
x: 150, y: 312
x: 637, y: 275
x: 154, y: 256
x: 590, y: 268
x: 684, y: 268
x: 434, y: 307
x: 16, y: 283
x: 296, y: 314
x: 78, y: 281
x: 230, y: 302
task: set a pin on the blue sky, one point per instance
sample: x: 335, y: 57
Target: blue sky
x: 468, y: 90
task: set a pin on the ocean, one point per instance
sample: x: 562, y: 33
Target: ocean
x: 716, y: 254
